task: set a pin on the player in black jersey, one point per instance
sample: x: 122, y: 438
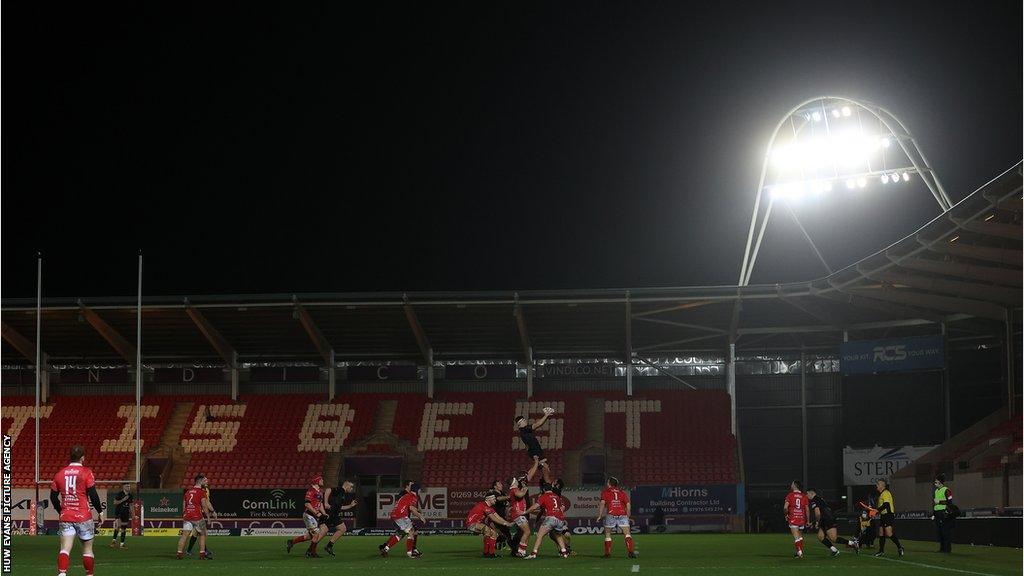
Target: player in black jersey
x: 340, y: 504
x: 501, y: 507
x: 526, y: 430
x: 823, y: 518
x: 122, y: 513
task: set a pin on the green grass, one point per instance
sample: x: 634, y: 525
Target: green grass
x: 718, y: 554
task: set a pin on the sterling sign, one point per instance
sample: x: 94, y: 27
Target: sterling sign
x: 865, y: 467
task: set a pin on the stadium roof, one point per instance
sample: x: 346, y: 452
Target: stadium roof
x: 962, y: 269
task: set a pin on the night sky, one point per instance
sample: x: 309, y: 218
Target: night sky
x: 302, y: 147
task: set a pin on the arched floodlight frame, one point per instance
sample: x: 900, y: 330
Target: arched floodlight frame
x: 895, y: 126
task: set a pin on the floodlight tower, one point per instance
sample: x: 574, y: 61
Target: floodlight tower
x: 830, y: 142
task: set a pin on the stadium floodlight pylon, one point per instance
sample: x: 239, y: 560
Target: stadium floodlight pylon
x: 834, y: 142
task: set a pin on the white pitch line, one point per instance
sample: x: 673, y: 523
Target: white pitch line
x: 636, y: 568
x: 947, y: 569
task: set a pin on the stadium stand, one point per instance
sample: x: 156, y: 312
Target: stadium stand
x: 460, y: 437
x: 104, y: 425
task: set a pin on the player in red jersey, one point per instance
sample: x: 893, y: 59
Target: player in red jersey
x: 518, y: 502
x: 477, y: 521
x: 407, y: 505
x: 72, y: 491
x: 195, y: 510
x: 615, y: 501
x: 554, y: 520
x: 315, y: 517
x: 796, y: 515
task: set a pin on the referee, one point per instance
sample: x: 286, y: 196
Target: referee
x: 941, y: 513
x: 887, y: 514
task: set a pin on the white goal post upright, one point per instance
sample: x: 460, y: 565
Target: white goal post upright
x: 137, y: 481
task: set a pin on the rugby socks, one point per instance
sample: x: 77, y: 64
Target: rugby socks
x: 492, y: 545
x: 87, y: 561
x: 62, y: 562
x: 828, y: 544
x: 414, y: 541
x: 391, y: 542
x: 881, y: 544
x: 409, y: 544
x: 295, y: 540
x: 629, y: 544
x: 799, y: 544
x: 607, y: 546
x: 115, y: 535
x: 896, y: 541
x: 122, y: 535
x: 522, y: 548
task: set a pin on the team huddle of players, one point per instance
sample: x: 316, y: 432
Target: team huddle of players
x: 809, y: 511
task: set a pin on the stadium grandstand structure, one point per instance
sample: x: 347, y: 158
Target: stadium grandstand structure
x: 461, y: 437
x: 693, y: 385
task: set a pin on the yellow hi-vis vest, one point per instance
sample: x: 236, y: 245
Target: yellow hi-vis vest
x: 940, y: 498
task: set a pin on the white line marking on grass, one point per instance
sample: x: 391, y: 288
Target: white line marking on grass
x: 947, y: 569
x: 636, y: 568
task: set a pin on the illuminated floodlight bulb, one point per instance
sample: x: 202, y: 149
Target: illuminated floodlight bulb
x: 862, y: 182
x: 906, y: 176
x: 851, y: 184
x: 884, y: 178
x: 846, y: 111
x: 816, y: 116
x: 836, y: 113
x: 774, y: 193
x: 885, y: 142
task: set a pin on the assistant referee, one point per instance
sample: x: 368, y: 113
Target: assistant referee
x: 887, y: 517
x: 940, y: 512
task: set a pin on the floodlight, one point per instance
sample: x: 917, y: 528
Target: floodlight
x: 862, y: 182
x: 885, y: 142
x: 816, y: 116
x: 906, y: 176
x: 836, y: 113
x: 847, y: 111
x: 884, y: 178
x: 851, y: 184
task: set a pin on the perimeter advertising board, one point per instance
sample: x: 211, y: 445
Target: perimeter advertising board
x: 687, y: 500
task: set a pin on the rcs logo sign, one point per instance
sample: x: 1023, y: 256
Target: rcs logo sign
x: 890, y: 353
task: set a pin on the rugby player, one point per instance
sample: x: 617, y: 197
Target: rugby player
x: 337, y: 501
x: 526, y: 429
x: 314, y: 516
x: 195, y: 507
x: 477, y: 522
x: 519, y: 501
x: 195, y: 534
x: 407, y: 505
x: 616, y: 502
x: 500, y: 506
x: 825, y: 520
x: 555, y: 485
x: 795, y: 509
x: 122, y: 513
x: 72, y: 491
x: 554, y: 520
x: 887, y: 514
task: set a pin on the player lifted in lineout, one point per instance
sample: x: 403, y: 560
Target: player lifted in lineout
x: 407, y: 506
x: 313, y: 514
x: 71, y: 492
x: 526, y: 430
x: 795, y: 509
x: 477, y: 522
